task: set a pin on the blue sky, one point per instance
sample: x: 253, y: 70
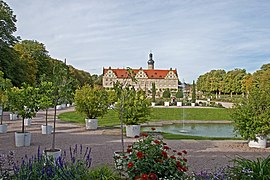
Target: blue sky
x: 193, y: 36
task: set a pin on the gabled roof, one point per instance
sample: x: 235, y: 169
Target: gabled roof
x: 151, y: 73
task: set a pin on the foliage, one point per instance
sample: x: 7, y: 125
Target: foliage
x: 136, y: 107
x: 166, y: 93
x: 193, y: 98
x: 251, y: 115
x: 45, y: 100
x: 151, y: 158
x: 92, y: 102
x: 5, y: 85
x: 7, y: 25
x: 179, y: 93
x: 24, y: 101
x: 72, y: 165
x: 103, y: 173
x: 257, y: 169
x: 153, y: 92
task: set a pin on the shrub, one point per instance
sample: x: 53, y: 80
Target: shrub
x: 150, y: 158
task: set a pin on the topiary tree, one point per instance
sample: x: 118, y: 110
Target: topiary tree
x: 153, y: 92
x: 193, y: 96
x: 167, y: 93
x: 179, y: 93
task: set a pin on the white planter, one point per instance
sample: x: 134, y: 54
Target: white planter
x: 260, y: 143
x: 22, y: 139
x: 46, y: 129
x: 3, y: 128
x: 58, y: 107
x: 27, y: 121
x: 118, y: 160
x: 166, y: 104
x: 91, y: 123
x: 13, y: 117
x: 68, y: 105
x: 133, y: 130
x: 193, y: 104
x: 63, y: 106
x: 52, y: 154
x: 179, y: 104
x: 153, y: 104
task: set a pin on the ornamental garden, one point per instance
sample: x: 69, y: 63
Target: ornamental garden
x: 32, y: 83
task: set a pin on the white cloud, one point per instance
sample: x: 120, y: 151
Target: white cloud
x: 192, y: 36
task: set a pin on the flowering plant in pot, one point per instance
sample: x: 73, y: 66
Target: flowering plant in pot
x: 92, y: 102
x: 150, y: 158
x: 24, y: 101
x: 5, y: 85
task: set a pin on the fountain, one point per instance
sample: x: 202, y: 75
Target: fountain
x: 183, y: 130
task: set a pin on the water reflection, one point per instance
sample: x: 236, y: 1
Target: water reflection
x: 204, y: 129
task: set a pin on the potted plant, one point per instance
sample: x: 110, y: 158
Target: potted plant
x: 45, y: 101
x: 92, y: 102
x: 5, y: 85
x: 166, y: 96
x: 23, y: 101
x: 135, y: 111
x: 251, y: 116
x: 193, y: 96
x: 61, y: 85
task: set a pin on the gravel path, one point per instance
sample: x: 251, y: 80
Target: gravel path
x: 203, y: 154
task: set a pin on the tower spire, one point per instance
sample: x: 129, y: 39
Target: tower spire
x: 150, y: 61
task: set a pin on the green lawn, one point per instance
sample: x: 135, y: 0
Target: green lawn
x: 158, y: 114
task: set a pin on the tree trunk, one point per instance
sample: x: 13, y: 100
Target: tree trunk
x: 22, y: 124
x: 46, y: 117
x: 54, y: 121
x: 2, y: 115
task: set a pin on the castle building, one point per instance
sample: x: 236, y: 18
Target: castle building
x: 163, y: 79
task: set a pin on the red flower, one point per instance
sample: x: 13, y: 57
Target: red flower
x: 173, y: 157
x: 130, y: 164
x: 164, y: 154
x: 156, y: 141
x: 153, y: 128
x: 184, y: 151
x: 159, y: 160
x: 144, y: 134
x: 125, y: 157
x: 178, y: 163
x: 179, y: 154
x: 153, y: 176
x: 139, y: 155
x: 166, y: 147
x: 144, y: 177
x: 129, y: 150
x: 184, y: 159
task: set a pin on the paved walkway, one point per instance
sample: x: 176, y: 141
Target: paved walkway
x: 201, y: 154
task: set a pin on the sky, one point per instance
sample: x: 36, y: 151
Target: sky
x: 192, y: 36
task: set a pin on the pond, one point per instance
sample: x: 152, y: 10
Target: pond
x: 197, y: 129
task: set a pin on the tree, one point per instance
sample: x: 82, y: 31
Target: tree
x: 24, y: 101
x: 35, y: 59
x: 5, y: 85
x: 193, y: 97
x: 252, y: 114
x: 7, y: 25
x: 166, y: 93
x: 153, y: 92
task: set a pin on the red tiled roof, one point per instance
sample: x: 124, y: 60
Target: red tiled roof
x: 151, y: 73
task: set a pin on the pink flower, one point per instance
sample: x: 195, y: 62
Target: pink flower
x: 152, y: 176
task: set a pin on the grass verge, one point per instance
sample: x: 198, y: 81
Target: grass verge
x: 180, y: 136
